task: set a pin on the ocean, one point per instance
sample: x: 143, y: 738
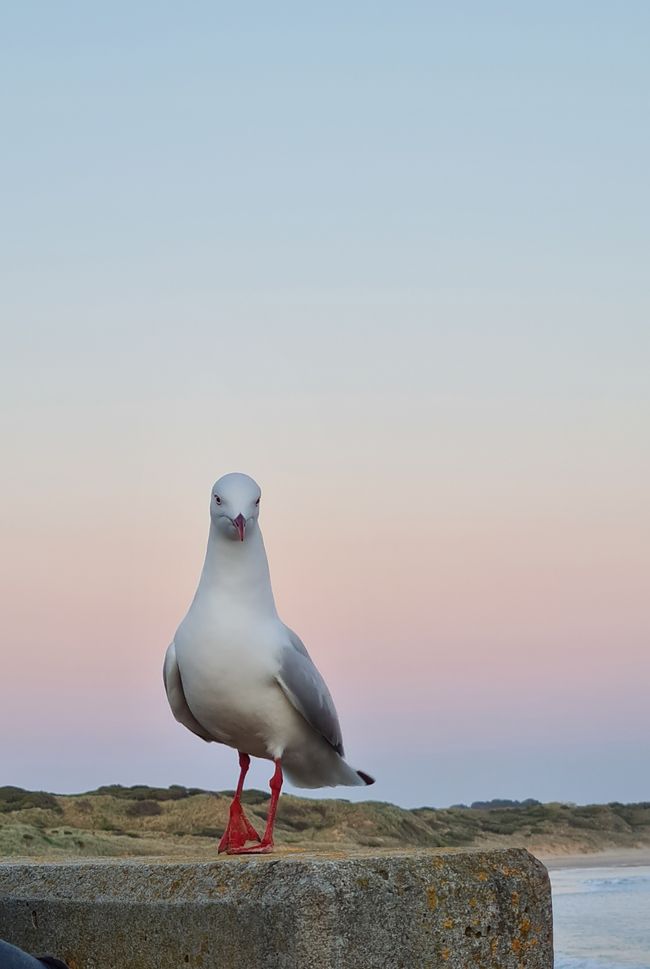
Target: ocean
x: 601, y: 918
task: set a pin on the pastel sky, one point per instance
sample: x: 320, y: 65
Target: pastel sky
x: 391, y: 260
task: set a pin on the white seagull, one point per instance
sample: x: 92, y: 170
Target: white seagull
x: 236, y: 675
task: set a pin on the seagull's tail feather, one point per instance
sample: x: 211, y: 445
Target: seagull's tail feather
x: 366, y: 778
x: 318, y: 765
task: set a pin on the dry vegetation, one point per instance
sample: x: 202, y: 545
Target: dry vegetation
x: 178, y: 822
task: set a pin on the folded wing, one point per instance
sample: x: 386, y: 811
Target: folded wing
x: 307, y: 691
x: 176, y: 696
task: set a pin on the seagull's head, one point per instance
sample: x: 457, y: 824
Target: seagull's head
x: 235, y: 505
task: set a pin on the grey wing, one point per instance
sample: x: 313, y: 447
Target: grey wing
x: 306, y: 689
x: 176, y: 696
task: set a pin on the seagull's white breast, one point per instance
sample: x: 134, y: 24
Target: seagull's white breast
x: 228, y: 659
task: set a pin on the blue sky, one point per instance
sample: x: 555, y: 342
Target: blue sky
x: 371, y: 147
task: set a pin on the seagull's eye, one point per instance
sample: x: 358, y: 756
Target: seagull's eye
x: 257, y: 502
x: 217, y: 499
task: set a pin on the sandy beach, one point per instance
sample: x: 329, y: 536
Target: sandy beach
x: 617, y: 857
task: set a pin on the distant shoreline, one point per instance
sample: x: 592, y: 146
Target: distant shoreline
x: 616, y: 858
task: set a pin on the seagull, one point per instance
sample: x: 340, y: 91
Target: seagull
x: 236, y: 675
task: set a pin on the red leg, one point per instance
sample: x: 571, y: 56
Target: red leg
x: 239, y: 829
x: 266, y: 844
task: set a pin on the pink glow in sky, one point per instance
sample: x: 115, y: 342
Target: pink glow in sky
x: 470, y: 579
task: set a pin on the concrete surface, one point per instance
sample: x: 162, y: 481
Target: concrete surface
x: 414, y: 910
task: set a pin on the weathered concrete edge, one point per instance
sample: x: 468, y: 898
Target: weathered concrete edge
x: 140, y: 880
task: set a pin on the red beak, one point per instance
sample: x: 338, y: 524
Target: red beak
x: 240, y: 525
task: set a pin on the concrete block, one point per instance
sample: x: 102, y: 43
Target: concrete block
x: 442, y: 909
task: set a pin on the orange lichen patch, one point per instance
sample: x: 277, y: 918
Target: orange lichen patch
x: 515, y: 898
x: 444, y: 954
x: 432, y: 898
x: 448, y: 923
x: 482, y: 876
x: 473, y: 903
x: 523, y: 941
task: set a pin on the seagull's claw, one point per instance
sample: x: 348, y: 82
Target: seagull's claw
x: 239, y: 830
x: 260, y: 849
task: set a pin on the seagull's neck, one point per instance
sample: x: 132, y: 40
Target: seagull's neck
x: 238, y: 570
